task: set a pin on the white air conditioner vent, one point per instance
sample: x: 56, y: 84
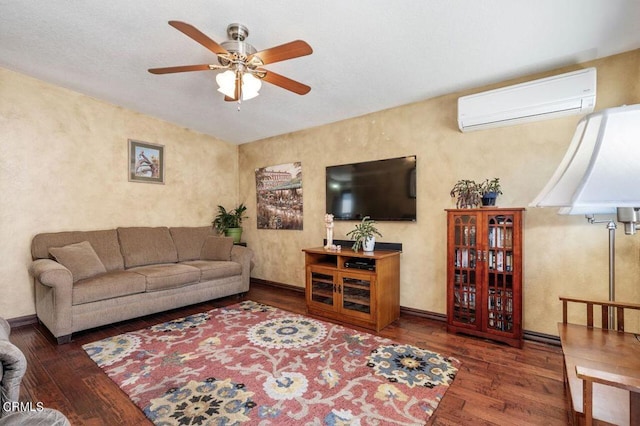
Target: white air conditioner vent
x: 560, y: 95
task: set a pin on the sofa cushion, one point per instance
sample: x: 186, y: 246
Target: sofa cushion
x: 105, y: 243
x: 79, y: 258
x: 213, y: 269
x: 146, y: 246
x: 189, y: 241
x: 107, y: 286
x: 216, y: 248
x: 169, y: 275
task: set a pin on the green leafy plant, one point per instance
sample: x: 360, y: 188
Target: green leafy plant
x: 467, y: 193
x: 229, y: 219
x: 363, y: 230
x: 492, y: 185
x: 490, y: 189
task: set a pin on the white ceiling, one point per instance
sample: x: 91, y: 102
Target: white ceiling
x: 369, y: 55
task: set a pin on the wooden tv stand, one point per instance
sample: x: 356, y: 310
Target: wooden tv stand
x: 353, y: 287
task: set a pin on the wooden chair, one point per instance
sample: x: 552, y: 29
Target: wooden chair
x: 601, y: 365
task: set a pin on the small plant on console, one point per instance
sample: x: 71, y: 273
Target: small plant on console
x: 363, y: 232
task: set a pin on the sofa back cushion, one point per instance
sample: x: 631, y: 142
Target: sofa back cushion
x: 189, y: 241
x: 105, y: 243
x: 146, y: 246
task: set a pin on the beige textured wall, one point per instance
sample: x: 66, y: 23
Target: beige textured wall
x: 63, y: 166
x: 563, y: 254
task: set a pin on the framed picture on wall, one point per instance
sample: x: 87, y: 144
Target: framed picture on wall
x: 279, y: 192
x: 146, y: 162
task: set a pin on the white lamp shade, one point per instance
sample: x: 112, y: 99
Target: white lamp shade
x: 250, y: 86
x: 227, y: 85
x: 601, y: 168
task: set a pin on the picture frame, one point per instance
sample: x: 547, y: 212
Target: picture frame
x: 146, y: 162
x: 279, y: 197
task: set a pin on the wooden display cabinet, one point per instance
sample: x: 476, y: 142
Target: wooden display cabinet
x: 353, y: 287
x: 484, y: 273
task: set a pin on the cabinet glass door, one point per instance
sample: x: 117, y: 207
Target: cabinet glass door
x: 465, y: 273
x: 356, y: 294
x: 322, y: 288
x: 500, y: 273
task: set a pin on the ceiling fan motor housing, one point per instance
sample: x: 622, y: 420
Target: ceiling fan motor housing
x: 239, y: 48
x: 237, y: 31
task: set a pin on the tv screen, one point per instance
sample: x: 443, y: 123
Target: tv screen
x: 383, y: 190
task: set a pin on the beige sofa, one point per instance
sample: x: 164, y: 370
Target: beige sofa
x: 93, y: 278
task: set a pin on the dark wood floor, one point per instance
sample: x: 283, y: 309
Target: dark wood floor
x: 497, y: 384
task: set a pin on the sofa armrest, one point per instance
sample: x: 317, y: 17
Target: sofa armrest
x: 51, y: 273
x: 244, y: 256
x: 54, y: 296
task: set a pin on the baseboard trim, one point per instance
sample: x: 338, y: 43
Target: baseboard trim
x: 22, y: 321
x: 532, y: 336
x: 277, y: 284
x: 424, y: 314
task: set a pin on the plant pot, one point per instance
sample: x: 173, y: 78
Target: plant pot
x: 489, y: 199
x: 369, y: 244
x: 235, y: 233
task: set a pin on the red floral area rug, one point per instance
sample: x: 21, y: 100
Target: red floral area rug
x: 255, y: 364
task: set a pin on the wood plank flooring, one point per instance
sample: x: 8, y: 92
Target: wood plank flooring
x: 497, y: 384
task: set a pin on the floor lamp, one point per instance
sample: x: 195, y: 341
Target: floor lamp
x: 611, y: 226
x: 600, y: 175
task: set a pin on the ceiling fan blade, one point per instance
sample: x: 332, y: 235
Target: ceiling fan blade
x: 183, y: 68
x: 283, y: 52
x: 198, y: 36
x: 284, y: 82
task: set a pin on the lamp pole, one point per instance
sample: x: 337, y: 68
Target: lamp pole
x: 611, y: 226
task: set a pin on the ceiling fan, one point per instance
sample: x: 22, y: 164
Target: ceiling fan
x: 242, y: 63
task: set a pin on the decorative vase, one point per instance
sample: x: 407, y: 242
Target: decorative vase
x: 368, y: 244
x: 235, y: 233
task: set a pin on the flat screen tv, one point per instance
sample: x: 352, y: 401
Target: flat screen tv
x: 385, y: 190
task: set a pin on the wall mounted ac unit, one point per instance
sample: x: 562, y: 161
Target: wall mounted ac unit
x: 560, y: 95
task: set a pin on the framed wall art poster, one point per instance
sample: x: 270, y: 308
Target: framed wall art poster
x: 146, y: 162
x: 279, y: 193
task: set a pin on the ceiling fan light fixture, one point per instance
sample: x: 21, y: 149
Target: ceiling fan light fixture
x: 251, y: 85
x: 227, y: 83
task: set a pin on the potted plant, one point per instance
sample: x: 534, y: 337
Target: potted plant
x: 490, y: 189
x: 364, y: 235
x: 229, y: 222
x: 467, y: 192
